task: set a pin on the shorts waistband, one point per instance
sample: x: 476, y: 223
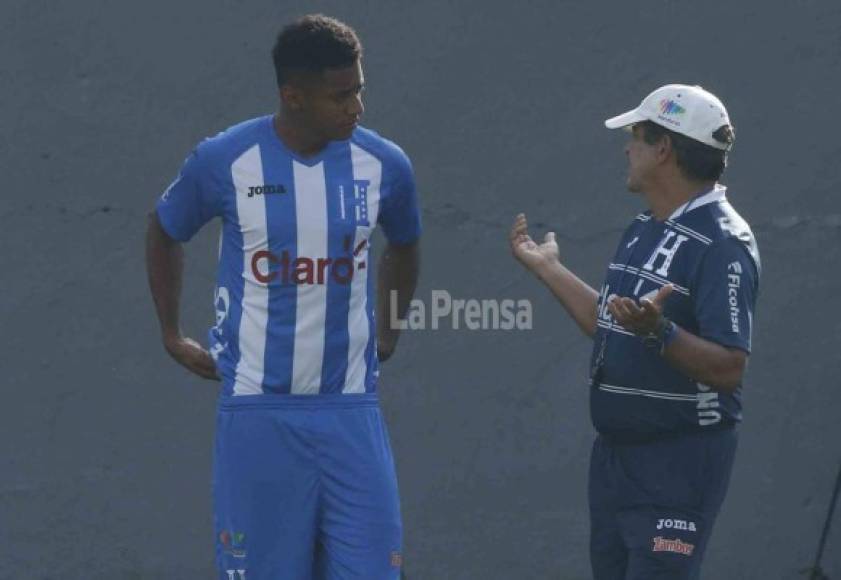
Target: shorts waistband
x: 309, y: 402
x: 620, y: 439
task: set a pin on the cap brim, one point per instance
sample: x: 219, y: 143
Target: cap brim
x: 624, y: 119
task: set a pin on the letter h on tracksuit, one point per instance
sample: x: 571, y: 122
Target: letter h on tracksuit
x: 661, y: 463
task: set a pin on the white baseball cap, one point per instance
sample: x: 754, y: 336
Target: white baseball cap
x: 684, y: 109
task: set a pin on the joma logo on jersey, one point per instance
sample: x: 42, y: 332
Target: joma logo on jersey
x: 734, y: 282
x: 265, y: 190
x: 267, y: 267
x: 670, y: 524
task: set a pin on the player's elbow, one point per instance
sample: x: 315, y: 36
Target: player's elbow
x: 410, y: 251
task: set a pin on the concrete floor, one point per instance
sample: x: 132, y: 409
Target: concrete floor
x: 105, y: 443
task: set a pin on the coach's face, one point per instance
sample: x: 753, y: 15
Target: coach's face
x: 332, y: 103
x: 642, y: 160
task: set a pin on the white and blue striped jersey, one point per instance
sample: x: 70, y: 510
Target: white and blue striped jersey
x: 294, y: 296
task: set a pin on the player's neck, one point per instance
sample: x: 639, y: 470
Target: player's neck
x: 664, y: 198
x: 296, y: 137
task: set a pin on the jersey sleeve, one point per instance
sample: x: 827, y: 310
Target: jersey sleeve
x: 725, y: 288
x: 399, y: 212
x: 190, y: 201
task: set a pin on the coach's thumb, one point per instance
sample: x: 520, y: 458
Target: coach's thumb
x: 549, y: 238
x: 662, y: 294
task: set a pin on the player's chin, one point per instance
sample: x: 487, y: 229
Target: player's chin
x: 344, y: 132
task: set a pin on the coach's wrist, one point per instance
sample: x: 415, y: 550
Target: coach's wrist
x: 548, y: 269
x: 659, y: 337
x: 668, y: 334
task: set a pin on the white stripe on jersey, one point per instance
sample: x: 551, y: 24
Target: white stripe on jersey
x: 649, y: 276
x: 247, y: 171
x: 311, y: 304
x: 614, y: 327
x: 365, y: 167
x: 646, y: 393
x: 689, y: 232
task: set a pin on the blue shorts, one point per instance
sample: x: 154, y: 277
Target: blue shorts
x: 653, y: 505
x: 304, y: 487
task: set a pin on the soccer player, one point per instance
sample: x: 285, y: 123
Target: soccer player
x: 304, y: 483
x: 672, y: 333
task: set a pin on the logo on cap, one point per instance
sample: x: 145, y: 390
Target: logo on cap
x: 669, y: 107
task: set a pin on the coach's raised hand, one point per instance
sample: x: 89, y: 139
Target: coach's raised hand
x: 543, y: 260
x: 536, y: 257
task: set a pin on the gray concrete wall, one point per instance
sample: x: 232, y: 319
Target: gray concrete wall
x: 105, y: 443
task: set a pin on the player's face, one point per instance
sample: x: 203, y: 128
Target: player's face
x: 642, y: 159
x: 333, y: 102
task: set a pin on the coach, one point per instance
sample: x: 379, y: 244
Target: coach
x: 671, y: 328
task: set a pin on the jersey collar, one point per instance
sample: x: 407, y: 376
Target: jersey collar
x: 717, y: 193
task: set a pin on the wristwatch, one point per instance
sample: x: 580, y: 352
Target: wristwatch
x: 661, y: 336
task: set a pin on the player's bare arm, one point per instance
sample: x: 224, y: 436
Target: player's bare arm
x: 705, y: 361
x: 398, y: 272
x: 578, y: 298
x: 164, y: 267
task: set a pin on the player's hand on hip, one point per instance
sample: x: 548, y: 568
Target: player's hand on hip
x: 642, y: 318
x: 190, y: 354
x: 532, y: 255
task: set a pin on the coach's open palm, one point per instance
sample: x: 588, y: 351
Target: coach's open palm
x: 531, y: 254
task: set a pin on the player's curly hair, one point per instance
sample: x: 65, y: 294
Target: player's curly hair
x: 313, y: 44
x: 696, y: 160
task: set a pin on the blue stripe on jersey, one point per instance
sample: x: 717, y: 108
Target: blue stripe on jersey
x: 224, y: 337
x: 283, y: 235
x: 372, y: 363
x: 338, y: 172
